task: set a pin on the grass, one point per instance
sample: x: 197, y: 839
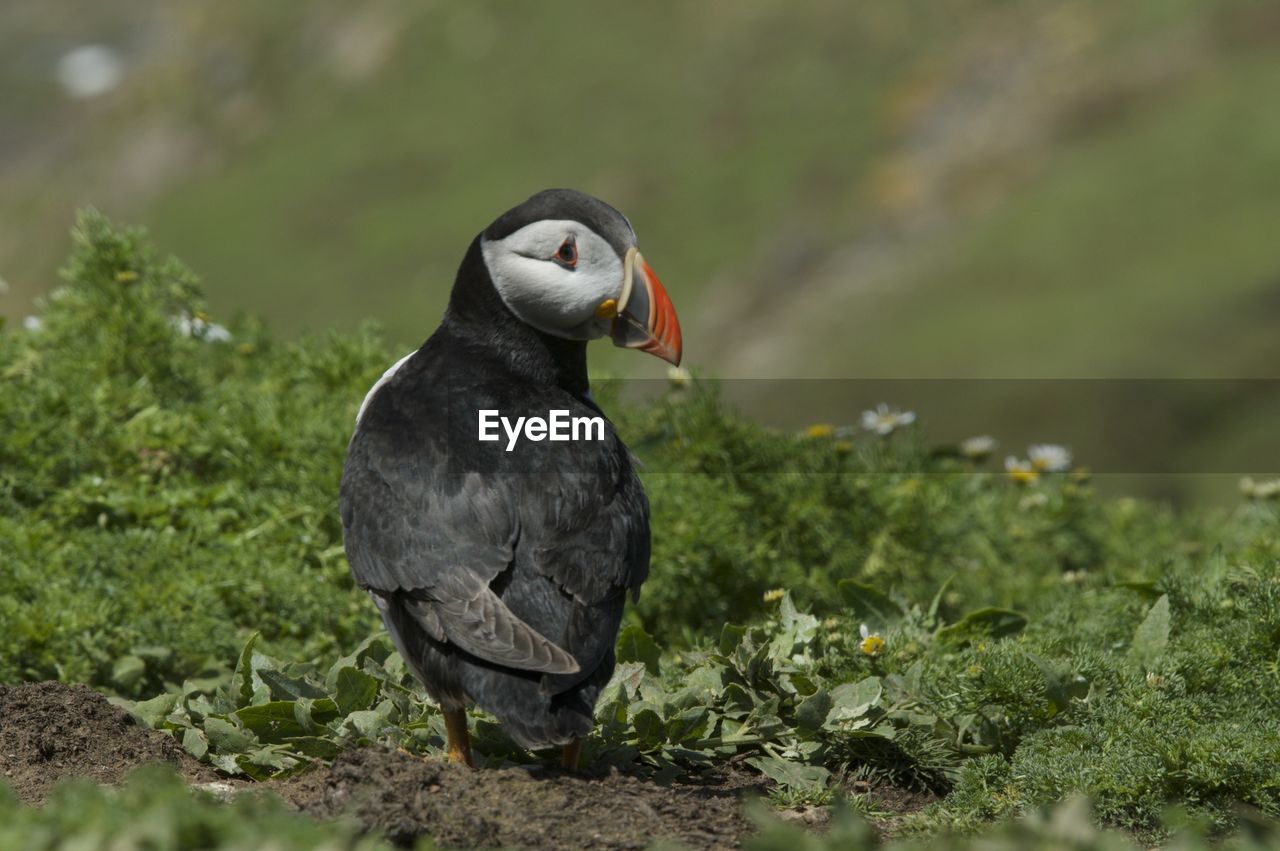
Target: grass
x: 171, y: 535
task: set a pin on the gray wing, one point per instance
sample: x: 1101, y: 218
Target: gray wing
x: 436, y: 540
x: 592, y: 541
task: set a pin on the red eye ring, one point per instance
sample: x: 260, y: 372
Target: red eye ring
x: 567, y: 254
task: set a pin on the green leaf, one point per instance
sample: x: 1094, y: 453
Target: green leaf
x: 271, y: 722
x: 852, y: 701
x: 650, y: 731
x: 195, y: 743
x: 869, y: 603
x: 376, y: 647
x: 354, y: 690
x: 127, y: 671
x: 242, y: 679
x: 687, y: 725
x: 288, y: 688
x: 310, y: 714
x: 730, y: 637
x: 701, y: 687
x: 737, y: 699
x: 1147, y: 588
x: 796, y: 630
x: 225, y: 762
x: 151, y: 713
x: 991, y: 621
x: 154, y: 653
x: 936, y: 603
x: 629, y: 676
x: 368, y: 723
x: 635, y: 645
x: 792, y: 775
x: 315, y: 747
x: 812, y: 712
x: 226, y: 737
x: 1152, y: 635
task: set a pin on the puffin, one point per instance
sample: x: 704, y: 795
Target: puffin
x: 501, y: 567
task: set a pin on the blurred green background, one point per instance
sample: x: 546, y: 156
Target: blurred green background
x: 950, y: 188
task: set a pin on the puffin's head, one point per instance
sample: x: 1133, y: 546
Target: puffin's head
x: 567, y: 264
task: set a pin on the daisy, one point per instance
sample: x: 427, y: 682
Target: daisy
x: 885, y: 421
x: 1049, y: 457
x: 977, y: 448
x: 1022, y: 472
x: 871, y: 644
x: 200, y: 327
x: 1260, y: 490
x: 678, y: 376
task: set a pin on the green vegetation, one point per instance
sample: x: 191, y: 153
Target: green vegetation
x: 155, y: 810
x: 831, y: 608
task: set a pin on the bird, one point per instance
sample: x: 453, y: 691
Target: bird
x: 501, y: 572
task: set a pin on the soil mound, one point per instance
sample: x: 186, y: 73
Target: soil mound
x: 52, y: 730
x: 406, y: 797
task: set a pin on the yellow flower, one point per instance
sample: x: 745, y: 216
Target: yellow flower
x: 773, y: 595
x: 679, y: 377
x: 818, y: 430
x: 871, y: 644
x: 126, y: 276
x: 1022, y: 472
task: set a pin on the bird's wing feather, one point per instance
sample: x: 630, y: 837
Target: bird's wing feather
x: 437, y: 540
x: 592, y: 541
x: 593, y: 538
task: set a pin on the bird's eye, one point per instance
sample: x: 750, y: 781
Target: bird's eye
x: 567, y: 253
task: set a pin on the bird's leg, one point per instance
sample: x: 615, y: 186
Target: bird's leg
x: 455, y: 725
x: 571, y: 755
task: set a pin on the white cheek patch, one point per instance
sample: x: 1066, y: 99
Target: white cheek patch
x: 558, y: 301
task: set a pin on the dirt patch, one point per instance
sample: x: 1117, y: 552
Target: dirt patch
x: 52, y: 730
x: 49, y: 731
x: 406, y: 797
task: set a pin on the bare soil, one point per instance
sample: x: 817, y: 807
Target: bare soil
x: 406, y: 797
x: 50, y: 730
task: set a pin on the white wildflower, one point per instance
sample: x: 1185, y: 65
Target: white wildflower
x: 1049, y: 457
x: 977, y: 448
x: 871, y: 644
x: 885, y: 421
x: 1022, y: 472
x: 678, y: 376
x: 89, y: 70
x: 1260, y: 490
x: 195, y: 326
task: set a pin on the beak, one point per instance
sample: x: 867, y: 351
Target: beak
x: 646, y: 320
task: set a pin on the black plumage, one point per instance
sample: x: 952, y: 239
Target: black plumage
x: 501, y: 576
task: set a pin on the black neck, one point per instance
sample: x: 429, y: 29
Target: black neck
x: 479, y: 320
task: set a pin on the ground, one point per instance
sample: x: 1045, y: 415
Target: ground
x: 52, y: 730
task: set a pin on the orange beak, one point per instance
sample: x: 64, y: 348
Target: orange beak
x: 646, y: 320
